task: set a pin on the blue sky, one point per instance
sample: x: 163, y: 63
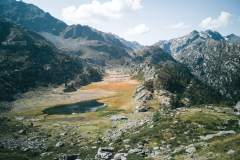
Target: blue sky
x: 148, y: 21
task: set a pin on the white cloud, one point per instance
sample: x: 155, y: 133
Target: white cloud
x: 96, y: 11
x: 180, y: 25
x: 138, y: 30
x: 221, y: 21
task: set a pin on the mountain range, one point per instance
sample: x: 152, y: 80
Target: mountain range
x: 214, y: 59
x: 210, y: 57
x: 81, y: 40
x: 70, y: 92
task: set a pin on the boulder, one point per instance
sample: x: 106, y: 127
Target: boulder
x: 142, y: 94
x: 231, y: 152
x: 120, y: 156
x: 63, y: 134
x: 19, y: 118
x: 104, y: 153
x: 59, y: 144
x: 178, y: 149
x: 69, y: 157
x: 237, y: 109
x: 22, y: 131
x: 142, y: 108
x: 69, y: 88
x: 118, y: 118
x: 164, y: 97
x: 190, y: 149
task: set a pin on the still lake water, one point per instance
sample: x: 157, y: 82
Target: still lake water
x: 81, y: 107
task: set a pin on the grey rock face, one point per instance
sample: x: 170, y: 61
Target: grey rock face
x: 142, y: 95
x: 216, y: 64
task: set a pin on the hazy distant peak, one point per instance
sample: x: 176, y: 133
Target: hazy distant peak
x: 232, y: 38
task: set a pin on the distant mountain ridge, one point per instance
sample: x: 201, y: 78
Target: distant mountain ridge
x: 177, y: 44
x: 232, y: 38
x: 80, y: 40
x: 213, y: 58
x: 31, y: 17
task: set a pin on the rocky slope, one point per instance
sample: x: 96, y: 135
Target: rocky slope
x: 211, y: 57
x: 175, y: 46
x: 170, y: 81
x: 28, y: 60
x: 80, y: 40
x: 90, y: 44
x: 232, y: 38
x: 30, y: 17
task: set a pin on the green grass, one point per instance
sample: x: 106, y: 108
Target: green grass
x: 106, y: 113
x: 209, y: 118
x: 13, y: 155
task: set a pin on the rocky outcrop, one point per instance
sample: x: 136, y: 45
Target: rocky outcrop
x: 219, y: 134
x: 142, y: 96
x: 129, y: 126
x: 165, y: 98
x: 169, y: 81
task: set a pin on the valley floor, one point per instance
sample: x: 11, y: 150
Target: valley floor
x: 195, y: 133
x: 116, y: 91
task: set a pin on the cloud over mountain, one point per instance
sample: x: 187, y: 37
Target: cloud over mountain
x: 138, y: 30
x: 96, y: 11
x: 180, y: 25
x: 221, y: 21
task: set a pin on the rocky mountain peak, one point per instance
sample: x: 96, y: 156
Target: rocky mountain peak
x: 30, y: 16
x: 77, y: 31
x: 209, y: 34
x: 194, y: 33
